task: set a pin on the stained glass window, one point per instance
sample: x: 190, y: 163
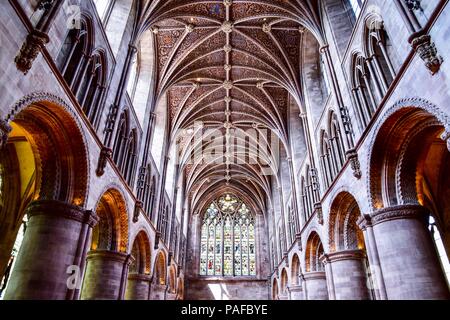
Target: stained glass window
x: 228, y: 243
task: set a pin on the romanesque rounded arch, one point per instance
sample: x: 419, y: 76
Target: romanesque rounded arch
x: 141, y: 252
x: 275, y: 290
x: 296, y: 269
x: 180, y: 289
x: 43, y: 157
x: 160, y: 269
x: 112, y: 231
x: 173, y: 279
x: 391, y: 170
x: 314, y: 251
x: 284, y: 281
x: 343, y: 231
x: 58, y: 144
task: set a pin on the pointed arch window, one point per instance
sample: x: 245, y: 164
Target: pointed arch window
x: 228, y: 243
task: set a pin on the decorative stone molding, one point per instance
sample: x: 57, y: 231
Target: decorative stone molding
x: 352, y: 157
x: 227, y: 67
x: 105, y: 154
x: 138, y: 207
x: 260, y: 85
x: 399, y: 212
x: 5, y: 130
x: 33, y: 45
x: 426, y: 49
x: 62, y: 209
x: 227, y: 3
x: 155, y: 30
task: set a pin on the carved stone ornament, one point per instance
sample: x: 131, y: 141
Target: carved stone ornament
x: 105, y: 154
x: 139, y: 205
x: 227, y: 27
x: 33, y: 45
x: 266, y: 28
x: 426, y: 49
x: 5, y: 130
x: 228, y: 85
x: 352, y: 157
x: 446, y: 137
x: 318, y: 210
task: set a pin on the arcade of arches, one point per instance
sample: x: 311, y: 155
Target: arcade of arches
x: 224, y: 149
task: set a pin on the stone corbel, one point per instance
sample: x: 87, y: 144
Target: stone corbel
x: 5, y: 130
x: 139, y: 205
x: 446, y: 137
x: 33, y: 45
x: 424, y: 46
x: 352, y: 157
x: 157, y: 238
x: 318, y: 210
x: 105, y: 154
x: 298, y: 240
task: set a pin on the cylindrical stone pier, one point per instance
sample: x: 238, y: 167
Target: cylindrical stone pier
x: 409, y: 261
x: 349, y: 275
x: 138, y: 287
x: 316, y: 286
x: 106, y: 275
x: 50, y: 257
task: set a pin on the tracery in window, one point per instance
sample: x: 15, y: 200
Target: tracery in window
x: 228, y: 244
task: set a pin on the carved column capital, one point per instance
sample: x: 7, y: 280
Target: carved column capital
x: 33, y: 45
x: 364, y: 222
x: 62, y: 209
x: 343, y: 255
x: 400, y: 212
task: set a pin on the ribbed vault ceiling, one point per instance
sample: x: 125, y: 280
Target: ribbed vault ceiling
x: 233, y: 65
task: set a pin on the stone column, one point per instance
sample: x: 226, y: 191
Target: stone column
x: 316, y: 286
x: 138, y: 287
x: 158, y: 292
x: 408, y: 258
x: 106, y: 275
x: 349, y: 275
x: 51, y: 251
x: 296, y: 292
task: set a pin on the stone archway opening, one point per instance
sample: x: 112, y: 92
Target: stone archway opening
x: 43, y: 176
